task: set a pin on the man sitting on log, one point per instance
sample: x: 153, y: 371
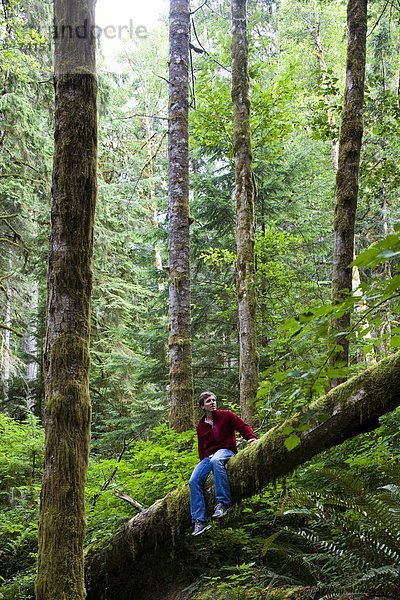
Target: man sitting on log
x: 217, y: 443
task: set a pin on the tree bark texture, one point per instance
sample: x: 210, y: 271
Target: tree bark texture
x: 348, y: 410
x: 66, y: 360
x: 180, y: 348
x: 245, y: 213
x: 6, y: 349
x: 350, y: 138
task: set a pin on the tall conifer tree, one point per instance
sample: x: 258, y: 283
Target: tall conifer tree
x: 245, y: 212
x: 350, y: 138
x: 66, y: 361
x: 180, y: 349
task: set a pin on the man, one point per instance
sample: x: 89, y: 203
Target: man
x: 217, y: 443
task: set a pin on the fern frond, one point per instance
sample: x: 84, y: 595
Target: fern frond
x: 387, y: 570
x: 334, y: 548
x: 355, y: 534
x: 393, y: 489
x: 381, y: 582
x: 347, y: 481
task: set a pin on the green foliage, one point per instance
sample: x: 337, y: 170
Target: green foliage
x: 233, y: 583
x: 352, y: 534
x: 380, y: 252
x: 21, y: 39
x: 146, y: 471
x: 287, y: 385
x: 129, y: 324
x: 25, y: 164
x: 21, y: 456
x: 295, y: 100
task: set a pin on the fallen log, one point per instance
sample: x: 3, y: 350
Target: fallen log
x: 346, y: 411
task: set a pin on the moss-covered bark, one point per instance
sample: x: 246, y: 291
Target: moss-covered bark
x: 180, y: 349
x: 347, y: 410
x: 66, y: 361
x: 245, y: 213
x: 350, y: 138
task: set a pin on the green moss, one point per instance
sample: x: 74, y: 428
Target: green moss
x: 178, y: 340
x: 69, y: 357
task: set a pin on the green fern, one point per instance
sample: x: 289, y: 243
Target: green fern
x: 352, y: 534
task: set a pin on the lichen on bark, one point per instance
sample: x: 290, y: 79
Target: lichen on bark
x: 180, y: 349
x: 245, y: 213
x: 66, y: 359
x: 350, y: 138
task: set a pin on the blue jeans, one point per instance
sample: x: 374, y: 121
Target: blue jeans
x: 215, y: 463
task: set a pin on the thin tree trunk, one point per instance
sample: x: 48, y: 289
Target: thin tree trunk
x: 245, y: 213
x: 386, y: 327
x: 180, y: 348
x: 30, y: 347
x: 353, y: 408
x: 350, y: 138
x: 6, y: 349
x: 66, y: 359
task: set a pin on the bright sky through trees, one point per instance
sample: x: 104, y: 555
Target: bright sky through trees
x: 120, y: 11
x: 121, y: 19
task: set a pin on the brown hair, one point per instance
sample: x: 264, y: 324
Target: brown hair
x: 203, y: 396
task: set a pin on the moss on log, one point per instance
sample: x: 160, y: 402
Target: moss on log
x: 346, y: 411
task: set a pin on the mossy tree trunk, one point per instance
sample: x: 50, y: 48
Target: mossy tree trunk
x: 245, y: 213
x: 180, y: 348
x: 350, y: 139
x: 66, y: 360
x: 347, y: 410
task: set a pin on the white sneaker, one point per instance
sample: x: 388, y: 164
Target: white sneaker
x: 220, y: 510
x: 200, y: 527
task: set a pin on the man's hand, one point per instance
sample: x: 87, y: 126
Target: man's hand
x: 251, y: 440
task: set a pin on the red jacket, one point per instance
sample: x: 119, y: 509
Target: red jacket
x: 221, y: 434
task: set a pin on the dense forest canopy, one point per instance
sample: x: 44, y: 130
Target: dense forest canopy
x: 329, y: 528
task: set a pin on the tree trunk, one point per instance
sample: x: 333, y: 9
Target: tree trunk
x: 180, y: 348
x: 66, y: 359
x: 30, y: 347
x: 245, y: 213
x: 348, y: 410
x: 350, y: 138
x: 6, y: 350
x: 360, y: 306
x: 385, y: 329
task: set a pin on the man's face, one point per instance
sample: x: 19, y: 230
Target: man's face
x: 210, y: 404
